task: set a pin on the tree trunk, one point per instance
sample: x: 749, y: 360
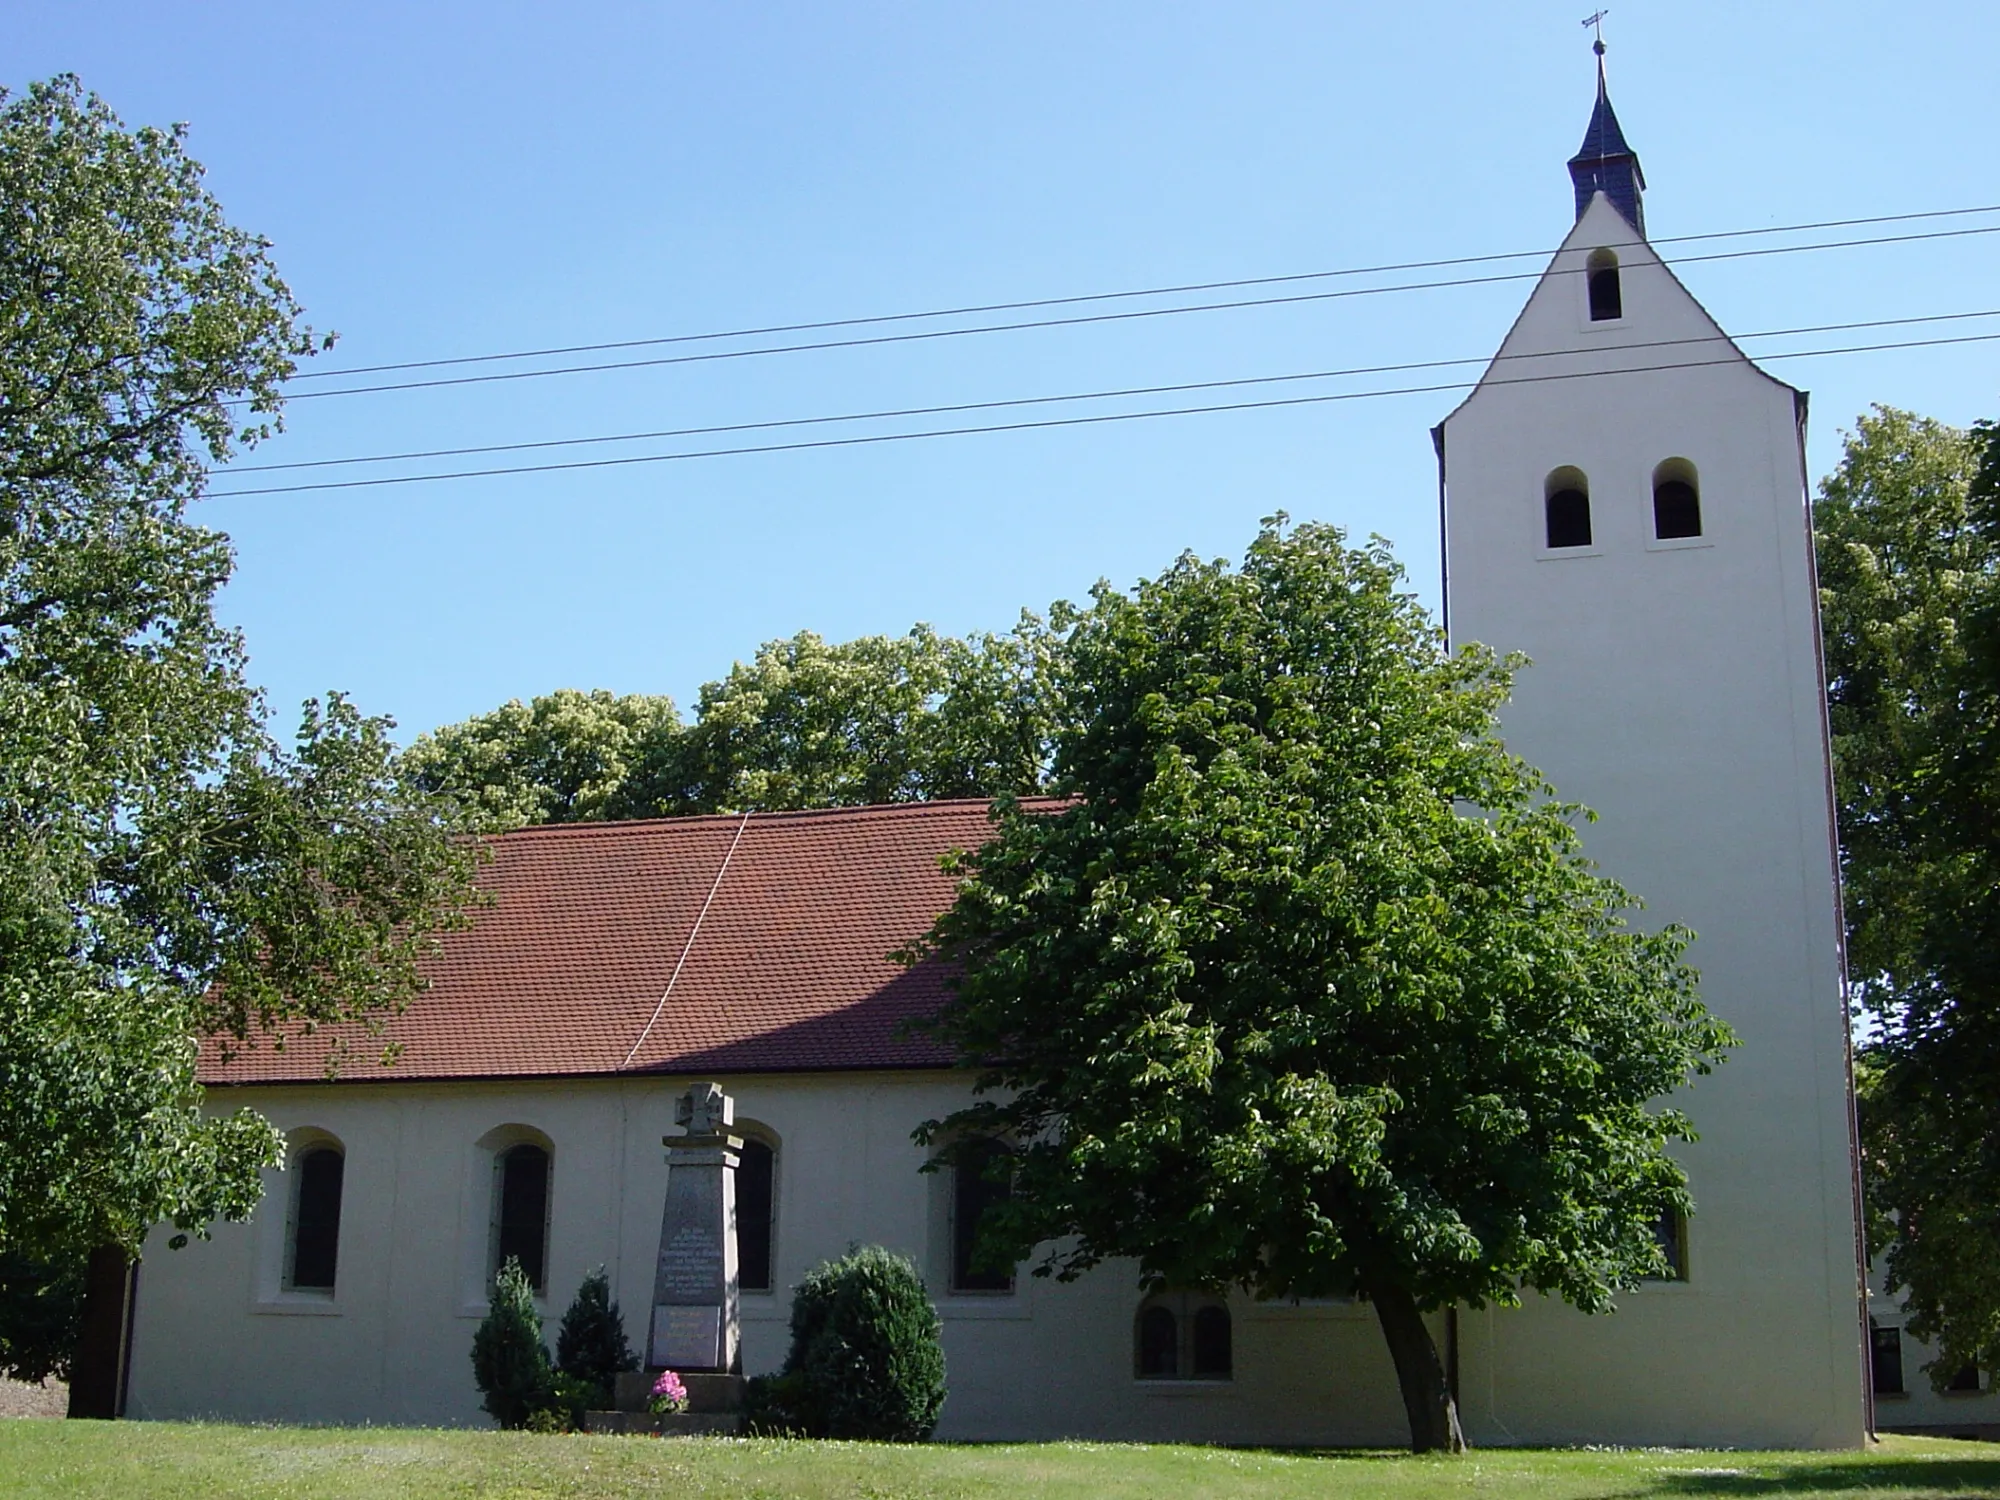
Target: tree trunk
x: 1427, y: 1396
x: 104, y: 1344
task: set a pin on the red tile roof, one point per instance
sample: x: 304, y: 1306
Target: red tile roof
x: 716, y: 944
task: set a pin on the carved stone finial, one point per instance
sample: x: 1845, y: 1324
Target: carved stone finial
x: 705, y: 1110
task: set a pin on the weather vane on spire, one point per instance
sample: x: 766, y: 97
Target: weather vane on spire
x: 1596, y: 23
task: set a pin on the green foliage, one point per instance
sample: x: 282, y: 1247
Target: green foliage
x: 1909, y: 562
x: 865, y: 1361
x: 41, y: 1316
x: 167, y: 869
x: 565, y: 1403
x: 778, y: 1406
x: 566, y: 757
x: 806, y: 724
x: 591, y: 1346
x: 509, y: 1364
x: 1312, y: 990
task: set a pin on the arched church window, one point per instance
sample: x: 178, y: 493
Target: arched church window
x: 313, y: 1253
x: 1566, y: 508
x: 756, y: 1213
x: 1607, y: 299
x: 1183, y: 1336
x: 521, y: 1211
x: 978, y: 1183
x: 1676, y: 500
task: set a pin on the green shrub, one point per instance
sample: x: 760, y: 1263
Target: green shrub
x: 778, y: 1406
x: 508, y: 1360
x: 590, y: 1343
x: 563, y: 1405
x: 865, y: 1361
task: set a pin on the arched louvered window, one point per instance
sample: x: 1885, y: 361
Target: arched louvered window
x: 1607, y: 297
x: 1676, y: 500
x: 313, y: 1254
x: 1566, y: 508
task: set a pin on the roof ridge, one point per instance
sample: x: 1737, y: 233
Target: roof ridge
x: 729, y: 819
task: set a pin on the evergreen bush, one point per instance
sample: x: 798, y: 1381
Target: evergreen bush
x: 591, y: 1345
x: 865, y: 1360
x: 508, y: 1360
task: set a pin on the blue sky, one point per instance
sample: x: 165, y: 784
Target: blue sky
x: 448, y: 179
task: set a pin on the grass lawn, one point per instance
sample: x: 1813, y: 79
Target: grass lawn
x: 164, y: 1461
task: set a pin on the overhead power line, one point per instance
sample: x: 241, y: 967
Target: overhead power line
x: 1054, y: 422
x: 1089, y: 318
x: 1087, y: 297
x: 1019, y: 401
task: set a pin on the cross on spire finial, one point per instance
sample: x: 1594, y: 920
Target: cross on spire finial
x: 1606, y: 164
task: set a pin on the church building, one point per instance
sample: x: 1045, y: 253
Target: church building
x: 1624, y: 499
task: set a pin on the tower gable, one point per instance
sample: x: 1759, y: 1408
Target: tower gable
x: 1653, y: 323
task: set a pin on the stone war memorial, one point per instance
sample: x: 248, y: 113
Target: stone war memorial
x: 695, y: 1320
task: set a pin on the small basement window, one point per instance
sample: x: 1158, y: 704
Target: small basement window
x: 1885, y: 1358
x: 1183, y: 1336
x: 1670, y: 1232
x: 1607, y: 300
x: 1566, y: 508
x: 1966, y: 1381
x: 1676, y: 500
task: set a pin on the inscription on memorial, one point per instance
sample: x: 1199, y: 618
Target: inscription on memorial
x: 687, y: 1337
x: 691, y: 1265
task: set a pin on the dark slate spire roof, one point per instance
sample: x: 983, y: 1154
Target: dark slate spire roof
x: 1604, y: 163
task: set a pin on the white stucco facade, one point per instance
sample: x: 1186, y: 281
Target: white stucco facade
x: 216, y: 1336
x: 1676, y: 690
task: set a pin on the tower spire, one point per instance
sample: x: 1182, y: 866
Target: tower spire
x: 1605, y: 163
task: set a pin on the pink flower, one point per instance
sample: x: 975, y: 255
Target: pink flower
x: 669, y: 1394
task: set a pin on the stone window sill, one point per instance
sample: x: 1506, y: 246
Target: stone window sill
x: 1204, y: 1387
x: 971, y: 1307
x: 481, y: 1308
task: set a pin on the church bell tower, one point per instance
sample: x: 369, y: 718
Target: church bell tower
x: 1624, y: 500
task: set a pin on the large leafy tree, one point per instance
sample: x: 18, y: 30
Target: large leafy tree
x: 806, y: 723
x: 1311, y: 990
x: 168, y: 870
x: 565, y: 757
x: 880, y: 719
x: 1909, y: 561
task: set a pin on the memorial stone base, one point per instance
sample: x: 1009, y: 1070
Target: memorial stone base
x: 715, y: 1407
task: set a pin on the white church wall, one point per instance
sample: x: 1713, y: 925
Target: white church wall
x: 1905, y: 1399
x: 1676, y: 690
x: 216, y: 1335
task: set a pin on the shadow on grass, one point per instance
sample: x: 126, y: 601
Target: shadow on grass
x: 1725, y: 1473
x: 1922, y: 1476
